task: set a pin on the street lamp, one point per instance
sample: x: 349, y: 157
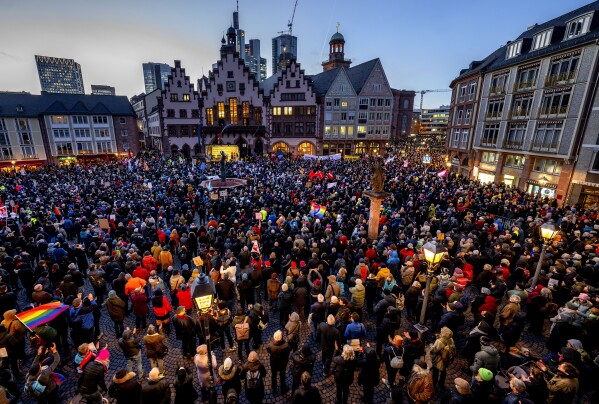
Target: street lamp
x: 203, y: 295
x: 548, y: 232
x: 433, y: 254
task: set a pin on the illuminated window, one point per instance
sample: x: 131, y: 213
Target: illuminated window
x: 288, y: 111
x: 186, y: 97
x: 280, y: 146
x: 305, y: 148
x: 342, y: 130
x: 350, y: 130
x: 327, y: 130
x: 360, y: 148
x: 233, y: 110
x: 174, y: 97
x: 361, y: 129
x: 258, y: 115
x: 209, y: 116
x: 344, y: 103
x: 276, y: 111
x: 245, y: 106
x: 221, y: 110
x: 60, y: 120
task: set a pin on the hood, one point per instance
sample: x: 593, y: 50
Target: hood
x: 294, y: 317
x: 446, y: 332
x: 359, y: 287
x: 10, y: 315
x: 490, y: 300
x: 127, y: 377
x: 490, y: 349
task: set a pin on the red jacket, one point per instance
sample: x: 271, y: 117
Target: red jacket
x: 141, y: 273
x: 165, y: 309
x: 149, y: 263
x: 184, y: 297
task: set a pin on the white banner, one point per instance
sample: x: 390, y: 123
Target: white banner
x: 331, y: 185
x: 330, y: 157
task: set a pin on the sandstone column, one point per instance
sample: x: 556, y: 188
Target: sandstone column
x: 376, y: 198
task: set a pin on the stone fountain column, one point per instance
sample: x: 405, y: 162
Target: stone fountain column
x: 376, y: 199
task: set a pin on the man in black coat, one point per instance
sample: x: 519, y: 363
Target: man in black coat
x: 225, y: 290
x: 319, y: 311
x: 279, y: 356
x: 8, y: 300
x: 185, y: 331
x: 329, y: 337
x: 413, y: 349
x: 303, y: 361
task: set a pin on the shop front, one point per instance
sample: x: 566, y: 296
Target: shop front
x: 542, y: 188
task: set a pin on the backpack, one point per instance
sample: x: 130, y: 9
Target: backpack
x: 253, y: 380
x: 34, y: 388
x: 223, y: 319
x: 448, y: 353
x: 242, y: 331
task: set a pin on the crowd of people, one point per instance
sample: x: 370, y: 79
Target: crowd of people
x: 296, y: 291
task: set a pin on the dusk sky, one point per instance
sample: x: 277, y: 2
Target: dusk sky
x: 422, y: 44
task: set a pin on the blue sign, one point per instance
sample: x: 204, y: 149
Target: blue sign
x: 426, y: 159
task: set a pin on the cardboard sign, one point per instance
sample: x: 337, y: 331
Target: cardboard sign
x: 258, y: 216
x: 104, y: 224
x: 214, y: 196
x: 223, y: 193
x: 309, y: 184
x: 197, y: 261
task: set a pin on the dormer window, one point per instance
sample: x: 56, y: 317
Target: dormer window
x: 514, y: 49
x: 578, y: 26
x: 19, y: 108
x: 542, y: 39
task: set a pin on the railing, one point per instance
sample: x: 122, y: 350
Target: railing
x: 559, y: 78
x: 561, y: 110
x: 519, y: 114
x: 524, y: 85
x: 494, y: 115
x: 511, y: 144
x: 551, y: 147
x: 497, y: 90
x: 488, y: 142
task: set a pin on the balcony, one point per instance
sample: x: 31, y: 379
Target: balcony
x: 488, y: 143
x: 497, y: 90
x: 513, y: 144
x: 6, y: 153
x: 524, y: 85
x: 553, y: 111
x: 519, y: 114
x: 545, y: 147
x: 560, y: 78
x: 494, y: 115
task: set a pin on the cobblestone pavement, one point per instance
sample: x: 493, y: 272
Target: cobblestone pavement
x: 326, y: 385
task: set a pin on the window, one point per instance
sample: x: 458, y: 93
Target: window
x: 126, y: 146
x: 104, y: 147
x: 230, y: 74
x: 490, y: 135
x: 245, y: 109
x: 174, y: 97
x: 328, y: 116
x: 468, y: 116
x: 124, y: 133
x: 514, y: 138
x: 195, y: 113
x: 494, y: 108
x: 182, y: 113
x: 465, y: 133
x: 376, y: 87
x: 328, y: 103
x: 458, y: 116
x: 344, y: 116
x: 170, y: 113
x: 233, y: 110
x: 219, y: 89
x: 489, y: 158
x: 242, y: 88
x: 293, y: 96
x: 336, y: 102
x: 82, y: 133
x: 178, y: 83
x: 578, y: 26
x: 515, y: 161
x: 327, y: 130
x: 287, y: 128
x: 2, y: 124
x: 373, y: 102
x: 350, y: 130
x: 122, y: 120
x: 380, y: 102
x: 230, y: 86
x: 498, y: 84
x: 172, y: 131
x: 361, y: 129
x: 527, y: 78
x: 184, y: 130
x: 521, y: 106
x: 276, y: 128
x: 220, y: 106
x: 404, y: 123
x: 288, y: 111
x: 462, y: 93
x: 363, y: 101
x: 406, y: 104
x: 81, y: 120
x: 471, y: 90
x: 186, y: 97
x: 209, y: 116
x: 555, y: 102
x: 342, y: 130
x: 310, y: 110
x: 456, y: 138
x: 84, y: 148
x: 25, y: 138
x: 299, y: 128
x: 548, y: 166
x: 335, y: 130
x: 562, y: 69
x: 514, y: 49
x: 547, y: 137
x: 277, y: 111
x: 388, y: 102
x: 258, y: 115
x: 5, y: 149
x: 362, y: 116
x: 542, y: 39
x: 101, y: 133
x: 311, y: 128
x: 64, y: 149
x: 63, y: 120
x: 62, y: 133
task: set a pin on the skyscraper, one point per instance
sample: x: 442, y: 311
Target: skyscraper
x: 59, y: 75
x: 284, y: 43
x: 253, y: 61
x: 240, y: 45
x: 155, y: 75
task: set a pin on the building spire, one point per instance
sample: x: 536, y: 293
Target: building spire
x: 338, y: 26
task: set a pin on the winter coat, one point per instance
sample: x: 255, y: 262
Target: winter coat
x: 279, y: 354
x: 343, y: 370
x: 488, y: 358
x: 201, y: 362
x: 440, y: 343
x: 117, y: 309
x: 91, y: 378
x: 508, y: 312
x: 293, y: 329
x: 273, y: 286
x: 562, y: 390
x: 140, y: 304
x: 184, y: 391
x: 302, y: 364
x: 370, y: 369
x: 256, y: 394
x: 130, y: 346
x: 358, y: 294
x: 154, y: 343
x: 156, y: 392
x: 420, y: 387
x: 125, y: 390
x: 285, y: 301
x: 185, y: 326
x: 355, y: 331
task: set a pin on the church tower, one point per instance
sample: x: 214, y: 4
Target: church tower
x: 336, y: 53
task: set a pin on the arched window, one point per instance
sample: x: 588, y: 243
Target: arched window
x: 280, y: 146
x: 374, y: 149
x: 360, y: 148
x: 306, y: 148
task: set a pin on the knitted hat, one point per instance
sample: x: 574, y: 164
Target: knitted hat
x: 103, y: 355
x: 485, y: 374
x: 583, y: 296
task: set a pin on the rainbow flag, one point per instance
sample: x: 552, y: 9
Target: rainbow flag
x: 41, y: 314
x: 318, y: 210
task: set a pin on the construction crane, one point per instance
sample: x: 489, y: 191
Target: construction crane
x: 290, y: 23
x: 422, y: 92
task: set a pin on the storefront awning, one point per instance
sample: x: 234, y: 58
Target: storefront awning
x: 543, y: 185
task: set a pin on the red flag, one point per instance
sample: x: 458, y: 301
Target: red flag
x: 330, y: 175
x: 16, y: 208
x: 311, y: 175
x: 18, y: 188
x: 320, y: 175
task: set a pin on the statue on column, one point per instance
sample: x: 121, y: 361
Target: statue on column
x: 378, y: 177
x: 223, y: 170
